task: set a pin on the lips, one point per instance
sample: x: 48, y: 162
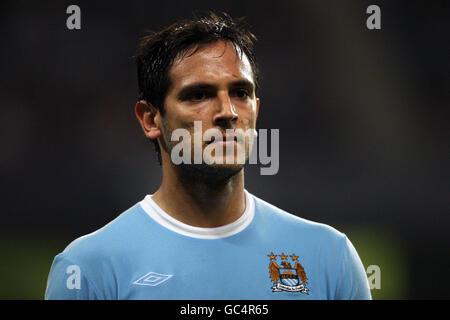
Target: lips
x: 226, y: 140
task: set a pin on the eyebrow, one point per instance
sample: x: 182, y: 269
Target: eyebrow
x: 207, y: 86
x: 243, y: 84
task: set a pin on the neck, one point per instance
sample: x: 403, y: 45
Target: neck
x: 201, y: 197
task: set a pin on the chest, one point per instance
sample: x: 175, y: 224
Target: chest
x: 224, y: 273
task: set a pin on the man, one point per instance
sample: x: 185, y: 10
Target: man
x: 201, y: 235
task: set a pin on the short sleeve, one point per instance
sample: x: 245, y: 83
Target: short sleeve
x: 352, y: 278
x: 68, y: 280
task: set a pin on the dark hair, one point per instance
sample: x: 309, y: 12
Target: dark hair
x: 158, y: 50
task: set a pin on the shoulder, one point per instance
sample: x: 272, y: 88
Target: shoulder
x: 106, y: 241
x: 87, y: 264
x: 317, y: 239
x: 283, y: 222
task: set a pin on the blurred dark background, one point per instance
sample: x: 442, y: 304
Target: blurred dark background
x: 363, y: 118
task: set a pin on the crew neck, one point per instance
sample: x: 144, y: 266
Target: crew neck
x: 155, y: 212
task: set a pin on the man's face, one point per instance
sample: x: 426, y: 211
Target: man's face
x: 214, y: 86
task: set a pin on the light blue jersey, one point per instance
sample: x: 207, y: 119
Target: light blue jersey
x: 266, y: 254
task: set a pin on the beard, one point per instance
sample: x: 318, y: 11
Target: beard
x: 209, y: 174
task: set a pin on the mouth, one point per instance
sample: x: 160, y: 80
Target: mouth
x: 227, y: 140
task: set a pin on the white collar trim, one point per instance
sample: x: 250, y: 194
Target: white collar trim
x: 159, y: 215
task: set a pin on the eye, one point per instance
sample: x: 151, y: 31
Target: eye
x: 197, y: 96
x: 241, y: 93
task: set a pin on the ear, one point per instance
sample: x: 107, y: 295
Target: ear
x: 148, y: 117
x: 257, y: 107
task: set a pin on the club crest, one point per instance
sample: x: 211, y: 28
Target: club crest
x: 287, y: 277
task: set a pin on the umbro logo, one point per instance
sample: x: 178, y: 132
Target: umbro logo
x: 152, y: 279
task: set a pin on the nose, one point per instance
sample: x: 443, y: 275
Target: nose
x: 227, y: 111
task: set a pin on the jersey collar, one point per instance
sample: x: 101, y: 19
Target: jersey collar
x: 163, y: 218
